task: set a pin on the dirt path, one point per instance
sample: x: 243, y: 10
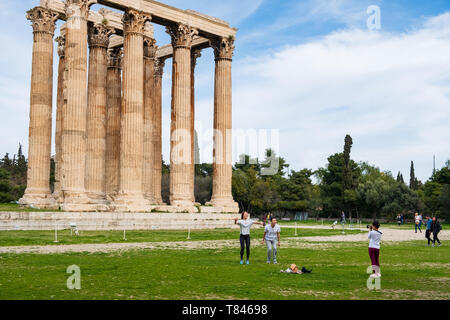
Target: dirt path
x: 322, y: 242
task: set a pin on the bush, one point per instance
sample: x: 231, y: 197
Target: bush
x: 5, y: 197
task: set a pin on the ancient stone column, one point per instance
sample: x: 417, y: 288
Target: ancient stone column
x: 222, y: 154
x: 40, y: 128
x: 73, y: 137
x: 61, y: 40
x: 149, y: 114
x: 180, y: 147
x: 96, y: 113
x: 157, y: 132
x: 195, y: 54
x: 113, y: 105
x: 132, y: 124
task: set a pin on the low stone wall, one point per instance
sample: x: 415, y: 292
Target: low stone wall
x: 114, y: 220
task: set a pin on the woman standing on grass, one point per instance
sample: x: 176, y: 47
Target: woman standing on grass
x: 245, y: 223
x: 374, y: 248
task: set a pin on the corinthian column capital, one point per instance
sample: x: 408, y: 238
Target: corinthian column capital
x: 134, y: 21
x: 42, y: 19
x: 195, y: 54
x: 181, y: 34
x: 98, y: 35
x: 159, y: 67
x: 115, y: 58
x: 223, y: 48
x: 150, y: 48
x: 78, y: 8
x: 61, y: 41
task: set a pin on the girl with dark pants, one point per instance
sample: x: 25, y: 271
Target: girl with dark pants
x: 436, y: 228
x: 245, y: 223
x: 374, y: 248
x: 245, y: 243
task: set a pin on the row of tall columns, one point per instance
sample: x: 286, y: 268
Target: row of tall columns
x: 108, y: 120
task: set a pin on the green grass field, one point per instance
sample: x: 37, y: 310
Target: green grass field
x: 21, y: 238
x: 409, y: 271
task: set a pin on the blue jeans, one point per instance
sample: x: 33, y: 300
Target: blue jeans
x: 271, y: 247
x: 418, y: 226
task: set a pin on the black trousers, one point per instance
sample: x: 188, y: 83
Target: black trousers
x: 435, y: 238
x: 428, y: 236
x: 245, y: 242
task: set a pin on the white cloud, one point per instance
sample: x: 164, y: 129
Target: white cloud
x: 389, y: 91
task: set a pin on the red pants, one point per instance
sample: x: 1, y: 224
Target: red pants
x: 374, y: 255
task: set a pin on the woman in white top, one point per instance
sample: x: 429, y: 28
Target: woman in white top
x: 374, y: 248
x: 418, y: 222
x: 245, y: 223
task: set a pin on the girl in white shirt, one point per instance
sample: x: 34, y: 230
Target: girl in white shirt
x: 374, y: 248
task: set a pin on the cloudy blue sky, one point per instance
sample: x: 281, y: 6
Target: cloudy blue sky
x: 310, y: 69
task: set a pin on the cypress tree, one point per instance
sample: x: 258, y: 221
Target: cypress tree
x: 413, y: 182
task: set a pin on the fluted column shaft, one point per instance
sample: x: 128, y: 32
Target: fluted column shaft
x: 180, y: 149
x: 40, y: 127
x: 222, y: 157
x: 157, y: 132
x: 149, y: 114
x: 194, y: 56
x: 60, y: 102
x: 113, y: 106
x: 132, y: 124
x: 73, y: 139
x: 96, y: 112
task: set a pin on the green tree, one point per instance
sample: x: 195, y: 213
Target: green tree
x: 413, y: 182
x: 331, y: 183
x: 400, y: 177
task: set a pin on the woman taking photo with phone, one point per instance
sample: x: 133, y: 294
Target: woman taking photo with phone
x: 374, y: 248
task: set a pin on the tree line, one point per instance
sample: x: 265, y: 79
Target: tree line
x: 361, y: 190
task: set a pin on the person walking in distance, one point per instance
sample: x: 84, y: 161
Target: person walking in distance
x: 343, y: 221
x: 245, y: 224
x: 436, y: 228
x: 272, y: 237
x: 399, y: 220
x: 374, y: 248
x: 417, y: 222
x: 428, y: 230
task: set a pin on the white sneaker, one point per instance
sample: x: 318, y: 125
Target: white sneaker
x: 268, y: 262
x: 373, y: 275
x: 378, y: 275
